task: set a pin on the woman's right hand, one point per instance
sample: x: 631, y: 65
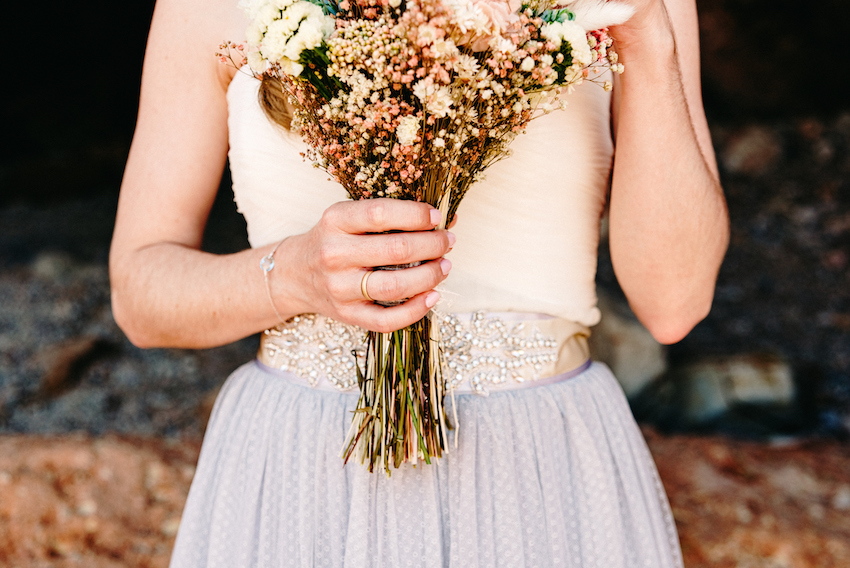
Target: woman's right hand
x: 323, y: 268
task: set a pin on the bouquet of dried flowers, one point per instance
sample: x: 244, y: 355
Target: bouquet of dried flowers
x: 414, y: 99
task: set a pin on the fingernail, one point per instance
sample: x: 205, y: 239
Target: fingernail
x: 445, y: 266
x: 435, y: 217
x: 431, y: 299
x: 452, y: 238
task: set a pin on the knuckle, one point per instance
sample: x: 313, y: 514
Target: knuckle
x: 335, y: 287
x: 328, y: 255
x: 376, y: 213
x: 330, y: 216
x: 398, y: 248
x: 390, y: 287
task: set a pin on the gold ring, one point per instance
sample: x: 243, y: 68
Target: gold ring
x: 363, y: 283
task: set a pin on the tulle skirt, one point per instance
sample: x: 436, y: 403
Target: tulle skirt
x: 555, y: 475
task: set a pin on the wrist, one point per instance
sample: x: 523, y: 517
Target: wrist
x: 648, y: 35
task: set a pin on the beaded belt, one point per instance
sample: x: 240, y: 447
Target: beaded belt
x: 482, y: 351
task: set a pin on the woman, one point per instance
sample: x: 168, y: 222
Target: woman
x: 551, y: 475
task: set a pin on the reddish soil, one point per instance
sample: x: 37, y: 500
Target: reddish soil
x: 110, y: 502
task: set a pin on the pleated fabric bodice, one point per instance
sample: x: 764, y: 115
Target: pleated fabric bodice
x: 527, y: 234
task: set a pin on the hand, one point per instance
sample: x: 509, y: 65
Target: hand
x: 325, y: 266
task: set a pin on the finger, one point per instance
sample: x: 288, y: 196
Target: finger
x: 382, y: 215
x: 397, y: 285
x: 385, y: 320
x: 396, y: 248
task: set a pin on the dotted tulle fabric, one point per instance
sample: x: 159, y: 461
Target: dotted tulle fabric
x: 550, y: 476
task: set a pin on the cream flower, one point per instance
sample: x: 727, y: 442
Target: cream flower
x: 282, y: 36
x: 252, y: 7
x: 574, y: 35
x: 407, y: 130
x: 444, y: 49
x: 427, y: 34
x: 256, y: 62
x: 467, y: 66
x: 436, y: 99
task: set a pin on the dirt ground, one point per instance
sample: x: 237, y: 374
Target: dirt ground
x: 115, y: 501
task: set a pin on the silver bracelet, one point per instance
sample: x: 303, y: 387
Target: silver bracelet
x: 267, y: 264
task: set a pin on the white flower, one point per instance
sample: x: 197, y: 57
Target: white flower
x: 574, y: 35
x: 468, y: 17
x: 251, y: 7
x: 266, y: 15
x: 553, y: 33
x: 527, y: 64
x: 546, y: 60
x: 443, y: 49
x: 498, y: 43
x: 577, y: 37
x: 254, y: 35
x: 301, y: 26
x: 291, y: 67
x: 426, y: 34
x: 256, y: 62
x: 407, y: 130
x: 395, y: 3
x: 466, y: 66
x: 439, y: 143
x: 436, y: 99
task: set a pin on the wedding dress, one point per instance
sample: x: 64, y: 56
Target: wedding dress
x: 545, y: 473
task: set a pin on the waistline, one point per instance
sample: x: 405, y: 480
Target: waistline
x: 482, y: 351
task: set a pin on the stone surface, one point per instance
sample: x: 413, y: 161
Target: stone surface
x: 742, y: 504
x: 116, y: 501
x: 95, y: 502
x: 622, y: 343
x: 752, y: 150
x: 712, y: 386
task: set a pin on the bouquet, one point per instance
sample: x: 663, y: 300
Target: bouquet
x: 415, y: 99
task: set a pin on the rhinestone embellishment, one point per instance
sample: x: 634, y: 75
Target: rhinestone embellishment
x: 316, y: 348
x: 479, y: 349
x: 487, y: 351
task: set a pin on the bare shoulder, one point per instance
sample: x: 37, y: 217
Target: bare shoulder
x: 189, y: 32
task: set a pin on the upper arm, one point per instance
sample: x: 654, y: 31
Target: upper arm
x: 180, y: 144
x: 683, y: 19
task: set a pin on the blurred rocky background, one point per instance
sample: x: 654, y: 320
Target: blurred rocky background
x: 748, y: 417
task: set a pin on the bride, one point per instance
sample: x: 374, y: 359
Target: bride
x: 550, y: 471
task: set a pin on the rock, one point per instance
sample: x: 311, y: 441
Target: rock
x: 841, y: 498
x: 170, y: 526
x: 751, y: 151
x: 63, y: 364
x: 52, y: 265
x: 623, y: 344
x: 712, y: 386
x: 60, y: 507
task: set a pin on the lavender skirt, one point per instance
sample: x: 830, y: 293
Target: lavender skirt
x: 553, y: 475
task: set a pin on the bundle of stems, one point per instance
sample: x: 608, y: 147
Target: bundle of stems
x: 399, y: 415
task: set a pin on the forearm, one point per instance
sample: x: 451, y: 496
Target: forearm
x: 167, y: 294
x: 171, y: 295
x: 668, y: 219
